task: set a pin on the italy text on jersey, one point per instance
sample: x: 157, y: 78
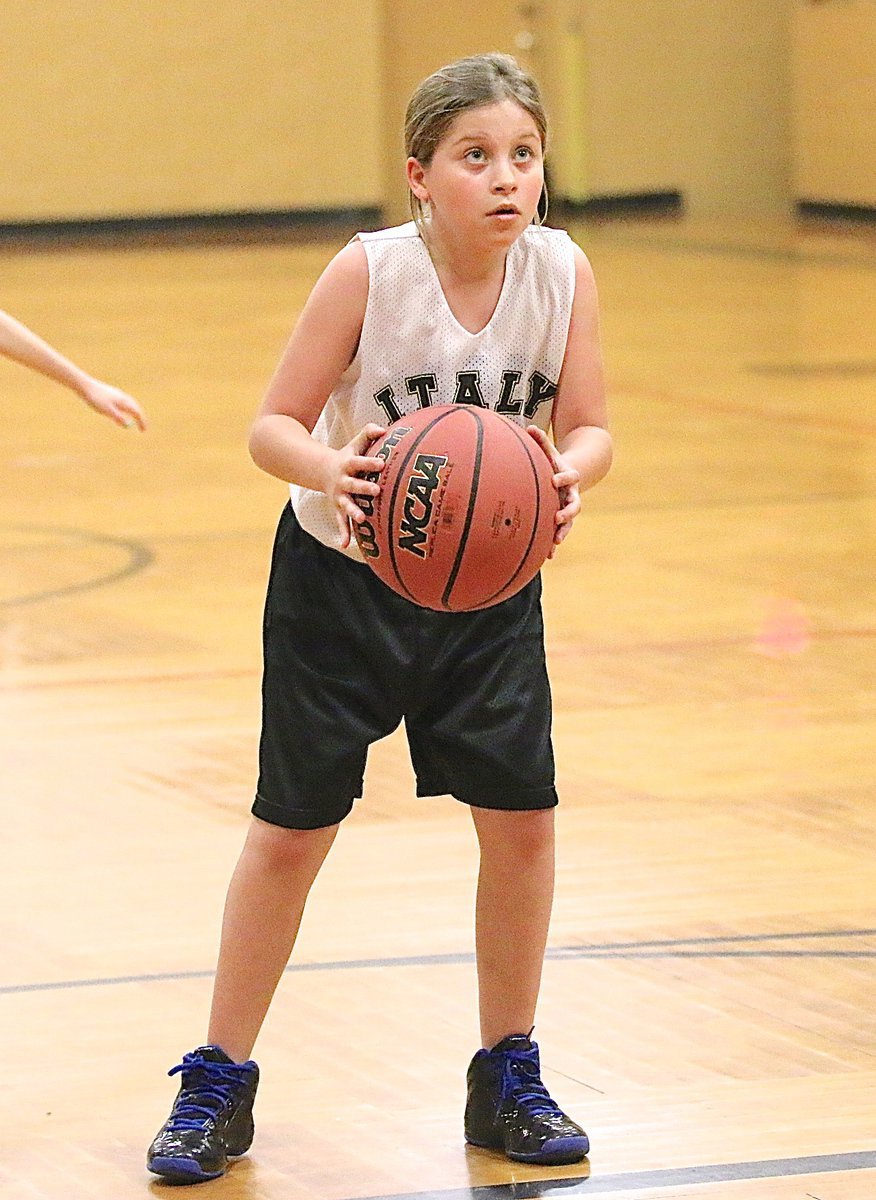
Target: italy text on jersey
x: 466, y: 389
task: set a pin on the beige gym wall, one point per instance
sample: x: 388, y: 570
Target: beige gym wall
x: 658, y: 95
x: 834, y: 55
x: 418, y: 39
x: 127, y: 107
x: 130, y: 108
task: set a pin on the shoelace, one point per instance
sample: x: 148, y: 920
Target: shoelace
x: 206, y: 1099
x: 522, y: 1083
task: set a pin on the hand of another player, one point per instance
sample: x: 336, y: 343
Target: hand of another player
x: 112, y: 402
x: 566, y: 480
x: 345, y: 478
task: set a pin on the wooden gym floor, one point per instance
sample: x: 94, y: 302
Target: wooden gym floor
x: 708, y: 1002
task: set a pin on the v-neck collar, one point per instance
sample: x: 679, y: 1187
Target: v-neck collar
x: 506, y: 285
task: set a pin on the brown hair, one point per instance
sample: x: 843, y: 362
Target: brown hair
x: 462, y: 85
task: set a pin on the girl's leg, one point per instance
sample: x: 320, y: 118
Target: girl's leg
x: 514, y: 899
x: 263, y: 911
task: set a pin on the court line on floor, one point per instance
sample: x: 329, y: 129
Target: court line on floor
x: 639, y: 1181
x: 139, y: 556
x: 733, y: 946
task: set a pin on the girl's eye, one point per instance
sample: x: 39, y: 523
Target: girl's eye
x: 475, y: 155
x: 524, y: 152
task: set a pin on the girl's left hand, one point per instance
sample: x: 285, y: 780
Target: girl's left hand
x: 566, y: 480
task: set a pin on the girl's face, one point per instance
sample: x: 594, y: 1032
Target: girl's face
x: 485, y: 179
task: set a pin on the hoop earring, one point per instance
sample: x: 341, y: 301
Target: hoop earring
x: 543, y: 201
x: 420, y: 215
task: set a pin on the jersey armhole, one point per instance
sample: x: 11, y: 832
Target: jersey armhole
x: 567, y: 246
x: 366, y: 316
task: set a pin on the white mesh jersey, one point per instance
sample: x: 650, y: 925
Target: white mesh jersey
x: 413, y: 352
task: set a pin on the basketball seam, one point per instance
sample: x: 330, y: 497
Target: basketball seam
x: 472, y: 500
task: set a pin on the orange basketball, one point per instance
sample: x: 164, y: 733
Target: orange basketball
x: 466, y: 511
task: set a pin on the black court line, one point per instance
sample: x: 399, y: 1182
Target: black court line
x: 640, y: 1181
x: 733, y: 946
x: 138, y: 553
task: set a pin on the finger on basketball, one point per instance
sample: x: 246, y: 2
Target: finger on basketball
x: 566, y: 477
x: 348, y: 507
x: 361, y: 484
x: 560, y: 534
x: 564, y: 526
x: 343, y: 527
x: 348, y: 493
x: 571, y: 508
x: 539, y: 435
x: 367, y: 436
x: 367, y: 466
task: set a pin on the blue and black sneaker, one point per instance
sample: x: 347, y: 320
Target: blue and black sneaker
x: 509, y: 1108
x: 211, y: 1119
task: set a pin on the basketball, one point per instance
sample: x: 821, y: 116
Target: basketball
x: 466, y: 512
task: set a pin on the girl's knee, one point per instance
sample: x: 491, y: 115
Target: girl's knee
x: 526, y: 834
x: 288, y: 849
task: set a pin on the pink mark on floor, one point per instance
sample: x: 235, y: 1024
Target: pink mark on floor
x: 785, y: 629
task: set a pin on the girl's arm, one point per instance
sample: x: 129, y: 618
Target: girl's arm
x: 320, y: 349
x: 22, y: 345
x: 582, y: 449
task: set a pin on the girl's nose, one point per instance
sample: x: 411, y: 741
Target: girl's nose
x: 503, y: 180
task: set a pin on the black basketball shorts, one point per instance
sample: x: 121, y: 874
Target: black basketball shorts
x: 346, y: 660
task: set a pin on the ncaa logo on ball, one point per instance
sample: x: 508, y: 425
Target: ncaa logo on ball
x: 419, y: 503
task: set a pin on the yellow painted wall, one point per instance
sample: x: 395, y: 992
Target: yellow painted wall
x: 651, y: 96
x: 835, y: 102
x: 418, y: 38
x: 689, y: 95
x: 130, y: 107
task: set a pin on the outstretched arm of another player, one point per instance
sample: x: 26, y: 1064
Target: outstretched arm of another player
x: 320, y: 349
x: 582, y: 446
x: 24, y: 346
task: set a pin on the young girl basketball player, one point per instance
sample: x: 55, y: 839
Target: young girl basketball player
x: 22, y: 344
x: 472, y: 302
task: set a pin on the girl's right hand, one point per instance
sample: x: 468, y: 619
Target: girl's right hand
x: 113, y: 403
x: 344, y: 478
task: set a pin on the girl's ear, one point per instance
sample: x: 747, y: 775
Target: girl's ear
x: 416, y: 180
